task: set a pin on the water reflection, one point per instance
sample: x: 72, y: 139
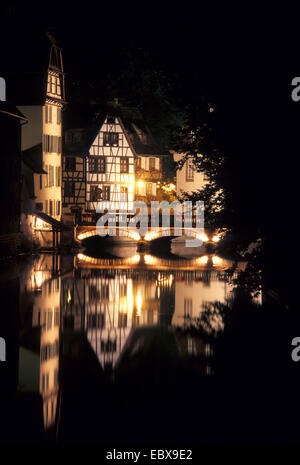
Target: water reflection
x: 115, y: 305
x: 39, y: 352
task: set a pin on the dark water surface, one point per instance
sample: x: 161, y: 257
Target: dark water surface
x: 130, y: 351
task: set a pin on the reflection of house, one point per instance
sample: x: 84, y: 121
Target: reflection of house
x: 36, y: 85
x: 38, y: 368
x: 191, y: 345
x: 108, y: 157
x: 187, y: 178
x: 112, y: 307
x: 192, y: 296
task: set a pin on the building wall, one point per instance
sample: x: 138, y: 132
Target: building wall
x: 185, y: 182
x: 32, y: 132
x: 45, y: 127
x: 146, y: 178
x: 50, y: 191
x: 112, y: 178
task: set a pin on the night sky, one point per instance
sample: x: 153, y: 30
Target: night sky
x: 244, y: 58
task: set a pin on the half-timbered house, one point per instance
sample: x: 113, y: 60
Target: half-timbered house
x: 112, y: 158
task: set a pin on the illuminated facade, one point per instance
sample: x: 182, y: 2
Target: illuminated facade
x: 41, y: 147
x: 114, y: 159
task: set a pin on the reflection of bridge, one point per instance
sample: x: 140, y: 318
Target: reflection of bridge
x: 83, y: 232
x: 145, y: 261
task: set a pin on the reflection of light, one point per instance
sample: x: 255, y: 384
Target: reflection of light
x: 150, y: 260
x: 202, y: 236
x: 134, y: 235
x: 135, y: 259
x: 216, y: 238
x: 69, y: 298
x: 216, y: 260
x: 109, y: 261
x: 139, y: 304
x: 149, y: 236
x: 170, y: 279
x: 202, y: 260
x: 39, y: 224
x: 129, y: 295
x: 80, y: 237
x: 37, y: 279
x: 140, y: 184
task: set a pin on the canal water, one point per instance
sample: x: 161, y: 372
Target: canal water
x: 131, y: 350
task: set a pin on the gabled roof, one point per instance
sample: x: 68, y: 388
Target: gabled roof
x: 89, y: 119
x: 136, y: 128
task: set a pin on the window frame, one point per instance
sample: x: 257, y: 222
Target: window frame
x: 126, y: 169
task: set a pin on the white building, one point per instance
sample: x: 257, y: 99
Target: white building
x: 187, y: 178
x: 112, y: 158
x: 37, y: 88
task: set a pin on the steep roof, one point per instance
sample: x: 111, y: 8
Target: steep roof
x: 89, y: 118
x: 136, y: 128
